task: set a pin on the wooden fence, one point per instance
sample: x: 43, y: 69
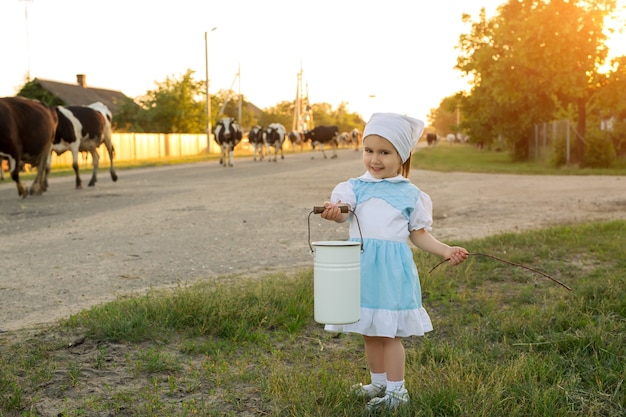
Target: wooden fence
x: 138, y: 146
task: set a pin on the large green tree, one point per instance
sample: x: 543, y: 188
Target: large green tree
x: 530, y: 60
x: 175, y: 106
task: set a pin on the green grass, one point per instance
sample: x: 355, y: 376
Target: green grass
x: 507, y: 342
x: 467, y: 158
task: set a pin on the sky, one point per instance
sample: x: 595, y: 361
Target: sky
x: 392, y: 55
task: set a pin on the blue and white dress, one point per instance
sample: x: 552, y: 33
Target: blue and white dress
x: 387, y: 211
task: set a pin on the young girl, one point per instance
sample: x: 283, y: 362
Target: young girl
x: 391, y: 211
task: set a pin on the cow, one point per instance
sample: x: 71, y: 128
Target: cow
x: 296, y: 138
x: 355, y: 136
x: 84, y: 129
x: 275, y: 137
x: 432, y: 138
x: 27, y: 130
x: 343, y: 139
x: 322, y: 135
x: 227, y: 134
x: 255, y: 138
x: 2, y: 159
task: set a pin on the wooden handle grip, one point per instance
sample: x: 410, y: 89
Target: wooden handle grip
x: 320, y: 209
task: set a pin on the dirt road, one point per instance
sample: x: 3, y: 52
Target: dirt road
x: 70, y: 249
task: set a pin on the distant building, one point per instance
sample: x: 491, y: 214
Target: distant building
x: 78, y: 94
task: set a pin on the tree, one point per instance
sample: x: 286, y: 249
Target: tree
x: 175, y: 106
x: 608, y: 106
x: 444, y: 118
x: 127, y: 117
x: 344, y: 119
x: 229, y: 107
x: 323, y: 114
x: 32, y: 89
x: 528, y: 61
x: 281, y: 113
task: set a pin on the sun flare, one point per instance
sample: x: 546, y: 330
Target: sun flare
x: 615, y: 30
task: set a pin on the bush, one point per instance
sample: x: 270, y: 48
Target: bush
x: 559, y: 152
x: 599, y: 150
x: 618, y: 136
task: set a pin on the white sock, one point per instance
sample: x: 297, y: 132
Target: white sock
x: 379, y: 379
x: 395, y: 385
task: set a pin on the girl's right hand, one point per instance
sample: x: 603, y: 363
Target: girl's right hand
x: 457, y: 255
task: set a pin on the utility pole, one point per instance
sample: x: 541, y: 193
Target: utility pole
x: 297, y: 108
x: 240, y: 96
x: 303, y: 114
x: 27, y: 37
x: 208, y: 93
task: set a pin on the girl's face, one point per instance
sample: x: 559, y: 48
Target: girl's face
x: 380, y: 157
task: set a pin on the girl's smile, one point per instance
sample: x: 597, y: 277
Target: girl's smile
x: 380, y: 157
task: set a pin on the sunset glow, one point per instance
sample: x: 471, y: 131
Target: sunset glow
x: 398, y: 57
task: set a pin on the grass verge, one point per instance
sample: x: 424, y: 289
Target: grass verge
x: 507, y: 342
x: 447, y: 157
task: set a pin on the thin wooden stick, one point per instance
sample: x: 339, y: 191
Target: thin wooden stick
x: 510, y: 263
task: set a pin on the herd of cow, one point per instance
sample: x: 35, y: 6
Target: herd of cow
x: 30, y: 130
x: 228, y: 134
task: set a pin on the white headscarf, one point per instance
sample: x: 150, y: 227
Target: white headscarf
x: 402, y: 131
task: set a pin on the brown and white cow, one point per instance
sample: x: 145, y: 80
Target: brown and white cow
x: 84, y: 129
x: 26, y: 134
x: 323, y: 135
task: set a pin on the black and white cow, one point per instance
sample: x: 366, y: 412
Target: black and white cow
x: 84, y: 129
x: 355, y: 137
x: 275, y: 137
x: 227, y: 134
x: 255, y: 137
x: 296, y: 139
x: 26, y: 134
x: 323, y: 135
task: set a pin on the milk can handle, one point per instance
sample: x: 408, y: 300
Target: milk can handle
x: 319, y: 210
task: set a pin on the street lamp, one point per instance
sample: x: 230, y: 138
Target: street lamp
x: 372, y: 106
x: 208, y: 94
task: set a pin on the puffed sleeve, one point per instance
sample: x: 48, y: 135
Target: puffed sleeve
x: 422, y: 217
x: 343, y: 192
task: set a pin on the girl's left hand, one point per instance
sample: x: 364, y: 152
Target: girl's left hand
x: 332, y: 211
x: 457, y: 255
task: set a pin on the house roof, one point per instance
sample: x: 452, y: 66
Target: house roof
x: 81, y: 95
